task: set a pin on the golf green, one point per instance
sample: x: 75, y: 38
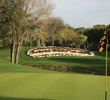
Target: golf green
x: 51, y: 86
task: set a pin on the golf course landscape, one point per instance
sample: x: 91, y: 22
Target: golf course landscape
x: 19, y: 82
x: 54, y: 50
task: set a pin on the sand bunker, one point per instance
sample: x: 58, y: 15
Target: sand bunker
x: 58, y: 51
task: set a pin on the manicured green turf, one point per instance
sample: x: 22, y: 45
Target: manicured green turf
x: 51, y: 86
x: 19, y: 82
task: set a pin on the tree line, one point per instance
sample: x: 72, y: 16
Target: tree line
x: 31, y: 23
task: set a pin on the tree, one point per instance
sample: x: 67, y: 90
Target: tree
x: 80, y: 30
x: 94, y: 34
x: 36, y: 10
x: 18, y: 18
x: 68, y: 36
x: 54, y: 25
x: 80, y: 39
x: 5, y: 18
x: 41, y: 10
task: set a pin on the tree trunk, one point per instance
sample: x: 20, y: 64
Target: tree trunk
x: 12, y: 51
x: 53, y: 39
x: 38, y: 43
x: 43, y: 44
x: 18, y: 50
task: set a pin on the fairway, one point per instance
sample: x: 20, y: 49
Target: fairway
x: 51, y: 86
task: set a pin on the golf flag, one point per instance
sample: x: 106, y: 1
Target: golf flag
x: 102, y: 42
x: 102, y: 45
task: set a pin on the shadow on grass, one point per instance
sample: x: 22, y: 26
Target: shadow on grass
x: 101, y: 54
x: 81, y: 61
x: 12, y: 98
x: 85, y: 65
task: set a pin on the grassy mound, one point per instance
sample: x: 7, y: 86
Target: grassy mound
x: 95, y: 61
x: 94, y: 64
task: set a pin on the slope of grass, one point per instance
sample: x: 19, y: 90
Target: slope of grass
x: 6, y: 66
x: 96, y: 61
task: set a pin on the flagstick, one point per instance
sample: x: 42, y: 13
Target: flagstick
x: 106, y: 70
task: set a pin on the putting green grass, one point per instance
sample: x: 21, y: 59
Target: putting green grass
x: 51, y: 86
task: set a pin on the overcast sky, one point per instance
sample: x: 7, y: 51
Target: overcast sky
x: 83, y: 13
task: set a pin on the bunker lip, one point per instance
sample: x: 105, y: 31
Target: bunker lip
x: 85, y: 70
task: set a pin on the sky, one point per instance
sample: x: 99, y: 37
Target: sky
x: 83, y: 13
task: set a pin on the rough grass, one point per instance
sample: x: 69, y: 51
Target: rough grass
x: 19, y: 82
